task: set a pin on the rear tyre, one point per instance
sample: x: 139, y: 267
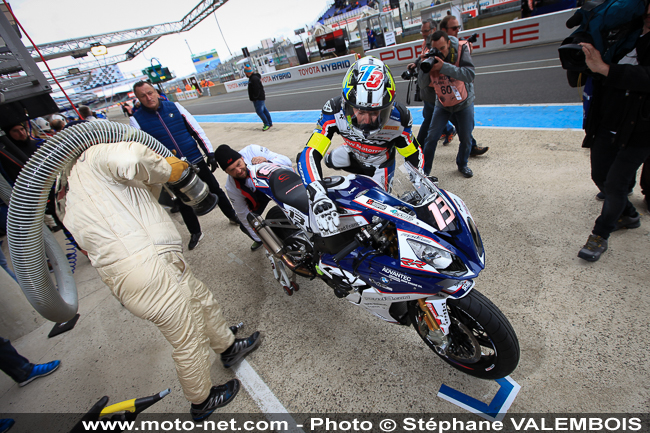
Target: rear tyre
x: 482, y: 343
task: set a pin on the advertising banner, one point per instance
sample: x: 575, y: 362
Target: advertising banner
x: 514, y: 34
x: 311, y: 70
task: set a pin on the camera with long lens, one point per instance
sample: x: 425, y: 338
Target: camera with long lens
x: 430, y: 59
x: 409, y: 73
x: 472, y: 38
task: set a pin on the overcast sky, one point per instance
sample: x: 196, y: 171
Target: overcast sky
x: 244, y: 23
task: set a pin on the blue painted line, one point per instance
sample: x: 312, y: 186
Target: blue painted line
x: 536, y: 116
x: 497, y: 408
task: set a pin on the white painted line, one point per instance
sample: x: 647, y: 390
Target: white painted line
x: 263, y: 397
x: 518, y: 70
x: 519, y: 63
x: 506, y: 405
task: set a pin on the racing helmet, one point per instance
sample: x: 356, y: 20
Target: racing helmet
x: 368, y: 86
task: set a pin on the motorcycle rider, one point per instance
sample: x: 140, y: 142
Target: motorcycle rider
x: 244, y: 196
x: 373, y: 125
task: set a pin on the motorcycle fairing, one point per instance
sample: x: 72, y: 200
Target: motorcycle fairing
x: 379, y: 303
x: 464, y: 212
x: 385, y: 275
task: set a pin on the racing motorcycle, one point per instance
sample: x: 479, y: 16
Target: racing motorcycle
x: 409, y: 259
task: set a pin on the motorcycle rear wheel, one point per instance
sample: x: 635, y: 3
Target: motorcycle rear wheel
x: 482, y: 342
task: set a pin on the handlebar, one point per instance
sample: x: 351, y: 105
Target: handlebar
x: 347, y: 250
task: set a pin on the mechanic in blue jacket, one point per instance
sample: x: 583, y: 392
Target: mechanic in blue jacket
x: 174, y: 126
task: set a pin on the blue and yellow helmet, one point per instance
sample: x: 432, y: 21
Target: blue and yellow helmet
x: 368, y: 86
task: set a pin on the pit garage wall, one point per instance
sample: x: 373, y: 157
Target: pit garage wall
x: 537, y: 30
x: 311, y: 70
x: 514, y: 34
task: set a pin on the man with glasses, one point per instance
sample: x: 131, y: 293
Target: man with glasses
x: 428, y: 27
x: 451, y: 79
x: 450, y: 25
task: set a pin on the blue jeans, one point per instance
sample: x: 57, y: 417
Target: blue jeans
x: 16, y: 366
x: 463, y: 120
x: 427, y: 114
x: 260, y: 109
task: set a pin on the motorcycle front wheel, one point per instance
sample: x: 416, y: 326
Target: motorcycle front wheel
x: 482, y: 342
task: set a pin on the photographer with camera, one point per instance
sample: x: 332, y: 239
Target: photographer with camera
x: 450, y: 25
x: 447, y: 74
x: 617, y: 128
x: 427, y: 29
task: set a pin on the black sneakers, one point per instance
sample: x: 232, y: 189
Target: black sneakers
x: 595, y: 246
x: 194, y: 240
x: 219, y: 397
x: 628, y: 222
x: 240, y: 348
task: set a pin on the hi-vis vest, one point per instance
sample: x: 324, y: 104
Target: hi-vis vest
x: 449, y: 91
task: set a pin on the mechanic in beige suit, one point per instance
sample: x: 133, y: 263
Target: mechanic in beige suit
x: 132, y: 242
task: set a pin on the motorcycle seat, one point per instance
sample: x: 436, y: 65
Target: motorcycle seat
x: 287, y: 187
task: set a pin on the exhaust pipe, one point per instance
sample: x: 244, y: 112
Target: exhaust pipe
x: 274, y: 245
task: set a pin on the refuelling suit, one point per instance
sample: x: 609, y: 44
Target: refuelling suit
x: 132, y: 242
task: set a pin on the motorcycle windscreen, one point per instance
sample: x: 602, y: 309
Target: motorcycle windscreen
x: 438, y: 214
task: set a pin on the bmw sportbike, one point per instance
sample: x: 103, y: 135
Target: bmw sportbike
x: 409, y: 259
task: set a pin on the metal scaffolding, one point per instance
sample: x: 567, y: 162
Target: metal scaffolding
x: 141, y: 38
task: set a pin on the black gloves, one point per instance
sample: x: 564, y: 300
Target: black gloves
x: 212, y: 162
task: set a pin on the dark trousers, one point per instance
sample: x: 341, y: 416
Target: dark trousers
x: 427, y: 114
x: 189, y: 217
x: 613, y: 170
x: 12, y: 363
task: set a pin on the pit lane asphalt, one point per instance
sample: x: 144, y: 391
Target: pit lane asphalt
x: 522, y: 76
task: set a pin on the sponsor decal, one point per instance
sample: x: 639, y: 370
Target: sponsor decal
x: 385, y: 298
x: 335, y: 66
x: 276, y: 77
x: 396, y: 274
x: 376, y: 204
x: 410, y: 262
x: 382, y: 284
x: 365, y: 148
x: 442, y: 316
x: 391, y: 128
x: 296, y: 218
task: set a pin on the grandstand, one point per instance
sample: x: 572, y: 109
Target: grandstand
x: 341, y: 7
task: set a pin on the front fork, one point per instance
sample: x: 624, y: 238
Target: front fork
x: 437, y: 318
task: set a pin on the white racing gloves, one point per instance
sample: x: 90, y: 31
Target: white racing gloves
x: 323, y: 207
